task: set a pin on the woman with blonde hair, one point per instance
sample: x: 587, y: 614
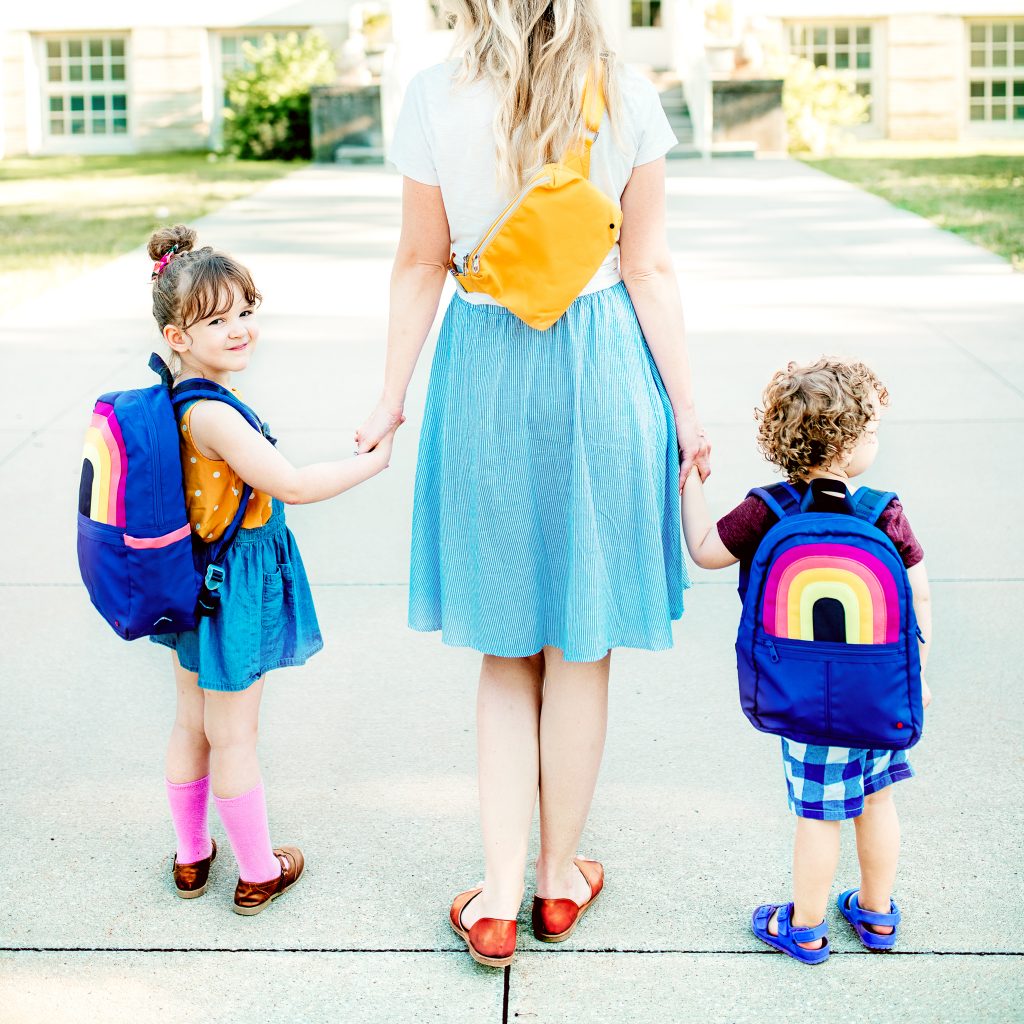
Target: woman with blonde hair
x: 546, y: 512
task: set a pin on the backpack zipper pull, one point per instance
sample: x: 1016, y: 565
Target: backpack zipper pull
x: 920, y: 635
x: 774, y: 654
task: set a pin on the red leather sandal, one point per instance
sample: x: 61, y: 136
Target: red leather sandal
x: 556, y: 920
x: 491, y: 941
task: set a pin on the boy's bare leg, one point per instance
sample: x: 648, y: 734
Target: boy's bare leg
x: 815, y: 857
x: 878, y: 850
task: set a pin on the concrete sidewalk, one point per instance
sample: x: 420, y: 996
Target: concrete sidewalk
x: 368, y: 752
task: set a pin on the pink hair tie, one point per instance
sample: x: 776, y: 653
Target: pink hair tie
x: 161, y: 264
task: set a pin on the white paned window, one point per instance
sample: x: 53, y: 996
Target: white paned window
x: 842, y: 47
x: 232, y: 47
x: 85, y: 86
x: 645, y: 13
x: 996, y: 72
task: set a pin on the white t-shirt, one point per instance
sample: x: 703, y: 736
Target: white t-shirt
x: 445, y: 136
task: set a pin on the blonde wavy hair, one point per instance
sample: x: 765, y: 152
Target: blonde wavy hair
x: 538, y: 54
x: 814, y: 414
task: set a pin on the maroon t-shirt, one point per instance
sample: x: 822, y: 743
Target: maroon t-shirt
x: 743, y: 528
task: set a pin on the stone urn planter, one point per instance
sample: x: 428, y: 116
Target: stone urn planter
x: 721, y: 56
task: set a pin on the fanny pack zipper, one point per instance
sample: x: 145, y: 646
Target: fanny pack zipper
x: 472, y: 259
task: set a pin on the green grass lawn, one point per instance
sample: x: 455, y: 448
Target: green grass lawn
x: 62, y: 215
x: 978, y: 196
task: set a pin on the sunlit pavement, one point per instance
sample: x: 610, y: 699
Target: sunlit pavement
x: 368, y: 752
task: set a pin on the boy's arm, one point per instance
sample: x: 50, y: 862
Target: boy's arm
x: 223, y: 434
x: 702, y: 540
x: 923, y: 610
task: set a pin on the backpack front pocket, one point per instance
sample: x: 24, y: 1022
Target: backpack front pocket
x: 103, y: 560
x: 870, y: 698
x: 166, y: 603
x: 790, y: 692
x: 831, y: 694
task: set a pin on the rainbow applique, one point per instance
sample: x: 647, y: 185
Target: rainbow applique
x: 809, y: 573
x: 105, y: 452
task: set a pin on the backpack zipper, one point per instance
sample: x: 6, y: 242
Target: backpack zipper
x: 830, y: 647
x: 473, y: 258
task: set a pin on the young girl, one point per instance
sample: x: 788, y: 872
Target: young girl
x: 205, y: 305
x: 819, y: 425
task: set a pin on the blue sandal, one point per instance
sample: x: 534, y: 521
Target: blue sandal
x: 858, y: 918
x: 788, y: 937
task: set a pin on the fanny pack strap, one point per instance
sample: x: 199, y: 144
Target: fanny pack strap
x: 593, y: 110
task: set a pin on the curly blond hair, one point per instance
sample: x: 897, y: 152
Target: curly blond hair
x: 814, y: 414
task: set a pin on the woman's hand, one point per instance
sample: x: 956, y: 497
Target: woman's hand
x: 384, y: 419
x: 694, y: 448
x: 380, y: 456
x: 926, y: 693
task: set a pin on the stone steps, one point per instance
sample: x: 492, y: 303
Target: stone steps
x: 673, y: 102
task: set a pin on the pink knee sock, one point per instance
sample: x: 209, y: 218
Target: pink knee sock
x: 188, y: 802
x: 245, y: 821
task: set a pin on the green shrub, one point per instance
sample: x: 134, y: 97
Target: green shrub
x: 819, y: 103
x: 267, y: 116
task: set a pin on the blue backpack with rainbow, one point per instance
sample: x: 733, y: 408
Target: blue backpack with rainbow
x: 144, y: 571
x: 827, y: 648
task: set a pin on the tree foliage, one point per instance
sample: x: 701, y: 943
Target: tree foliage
x: 819, y: 103
x: 267, y: 116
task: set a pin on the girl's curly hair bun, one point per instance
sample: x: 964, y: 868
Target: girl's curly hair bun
x: 180, y: 237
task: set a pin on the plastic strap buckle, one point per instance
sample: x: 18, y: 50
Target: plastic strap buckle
x: 214, y: 577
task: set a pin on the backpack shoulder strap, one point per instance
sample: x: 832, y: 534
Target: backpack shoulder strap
x: 869, y: 504
x: 191, y: 391
x: 159, y: 367
x: 782, y: 498
x: 182, y: 396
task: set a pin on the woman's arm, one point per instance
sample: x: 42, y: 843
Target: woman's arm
x: 650, y: 278
x: 417, y: 281
x: 220, y: 432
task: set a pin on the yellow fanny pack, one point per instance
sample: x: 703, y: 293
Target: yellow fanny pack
x: 539, y: 254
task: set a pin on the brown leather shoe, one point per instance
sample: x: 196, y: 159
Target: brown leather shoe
x: 491, y: 940
x: 191, y: 880
x: 252, y: 897
x: 555, y: 920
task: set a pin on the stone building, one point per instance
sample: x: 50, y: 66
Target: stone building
x: 120, y: 76
x: 952, y: 72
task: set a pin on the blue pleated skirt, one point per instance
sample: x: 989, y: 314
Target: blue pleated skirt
x: 266, y: 618
x: 547, y: 488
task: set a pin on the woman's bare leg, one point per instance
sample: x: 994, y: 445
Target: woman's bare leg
x: 573, y: 724
x: 508, y: 717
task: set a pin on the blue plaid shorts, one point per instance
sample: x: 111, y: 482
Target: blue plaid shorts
x: 830, y: 783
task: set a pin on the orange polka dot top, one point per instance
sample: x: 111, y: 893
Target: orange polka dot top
x: 212, y: 490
